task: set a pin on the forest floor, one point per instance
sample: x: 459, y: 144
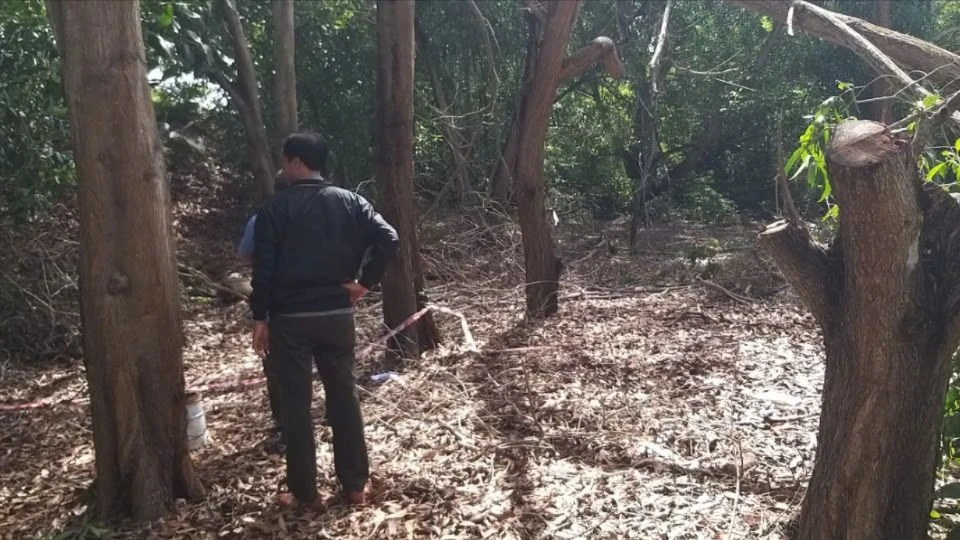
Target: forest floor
x: 675, y: 395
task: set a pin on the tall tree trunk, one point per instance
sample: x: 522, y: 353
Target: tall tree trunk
x: 886, y: 296
x: 394, y: 169
x: 246, y: 97
x: 541, y: 264
x: 284, y: 78
x: 130, y: 303
x: 522, y: 161
x: 502, y: 179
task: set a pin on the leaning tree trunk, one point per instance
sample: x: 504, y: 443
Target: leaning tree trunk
x: 284, y: 78
x: 402, y: 290
x: 246, y: 99
x: 130, y: 303
x: 886, y: 296
x: 541, y: 264
x: 523, y: 153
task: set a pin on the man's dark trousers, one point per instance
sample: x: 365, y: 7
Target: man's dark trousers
x: 328, y: 340
x: 274, y: 393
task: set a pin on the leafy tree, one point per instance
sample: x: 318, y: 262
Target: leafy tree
x: 36, y: 165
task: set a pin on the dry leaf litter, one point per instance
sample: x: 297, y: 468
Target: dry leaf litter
x: 674, y: 396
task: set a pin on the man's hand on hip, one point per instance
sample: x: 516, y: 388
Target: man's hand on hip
x: 356, y: 290
x: 261, y: 338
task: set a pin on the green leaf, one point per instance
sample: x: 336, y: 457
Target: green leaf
x: 949, y: 491
x: 844, y: 86
x: 827, y: 190
x: 930, y: 101
x: 934, y: 514
x: 767, y: 23
x: 832, y: 213
x: 793, y: 159
x: 166, y: 18
x: 812, y: 179
x: 956, y: 145
x: 806, y: 163
x: 935, y: 171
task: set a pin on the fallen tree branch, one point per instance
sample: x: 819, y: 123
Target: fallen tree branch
x: 870, y: 53
x: 907, y: 51
x: 191, y: 272
x: 859, y: 36
x: 734, y: 296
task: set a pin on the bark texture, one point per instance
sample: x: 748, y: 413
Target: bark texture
x: 403, y: 283
x: 130, y: 304
x: 885, y: 294
x: 284, y: 78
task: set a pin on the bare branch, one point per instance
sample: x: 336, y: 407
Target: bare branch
x: 658, y: 50
x: 488, y: 33
x: 933, y: 121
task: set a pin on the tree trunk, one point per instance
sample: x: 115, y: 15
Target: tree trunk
x: 394, y: 169
x: 502, y: 179
x: 886, y: 297
x: 130, y: 304
x: 601, y: 50
x: 246, y: 97
x: 284, y: 78
x: 781, y: 185
x: 541, y: 264
x: 521, y: 165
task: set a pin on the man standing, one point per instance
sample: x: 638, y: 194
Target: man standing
x: 310, y: 242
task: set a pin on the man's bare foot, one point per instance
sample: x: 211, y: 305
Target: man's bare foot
x: 287, y: 500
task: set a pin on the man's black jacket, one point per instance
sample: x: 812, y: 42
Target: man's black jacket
x: 309, y: 240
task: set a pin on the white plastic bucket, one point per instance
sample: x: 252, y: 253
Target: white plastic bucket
x: 197, y: 434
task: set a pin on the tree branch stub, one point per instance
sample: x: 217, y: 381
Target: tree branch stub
x: 600, y: 50
x: 805, y: 265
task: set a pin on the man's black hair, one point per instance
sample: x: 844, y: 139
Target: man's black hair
x: 308, y: 147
